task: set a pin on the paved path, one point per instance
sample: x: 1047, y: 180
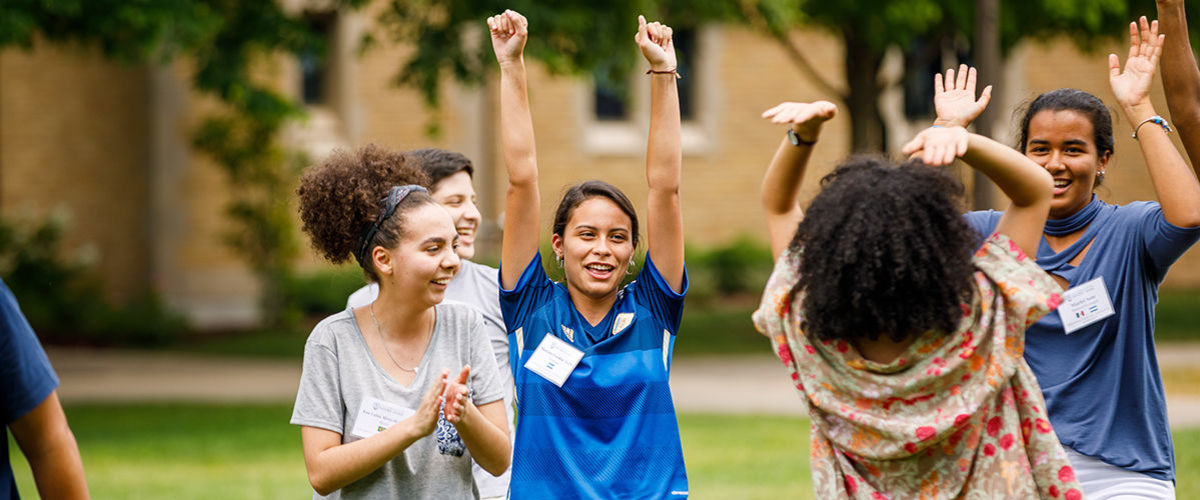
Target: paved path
x: 754, y: 384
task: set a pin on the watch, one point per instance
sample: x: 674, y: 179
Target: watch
x: 796, y: 140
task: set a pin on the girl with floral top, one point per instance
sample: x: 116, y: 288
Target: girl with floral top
x: 904, y: 345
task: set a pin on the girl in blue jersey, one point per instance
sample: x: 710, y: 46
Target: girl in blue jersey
x: 1096, y: 362
x: 590, y: 359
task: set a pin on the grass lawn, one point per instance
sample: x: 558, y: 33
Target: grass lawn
x: 213, y: 451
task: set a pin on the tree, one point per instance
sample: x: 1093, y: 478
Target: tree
x: 576, y: 36
x: 223, y: 38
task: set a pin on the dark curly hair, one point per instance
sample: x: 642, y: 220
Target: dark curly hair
x: 579, y: 193
x: 887, y: 252
x: 1076, y: 100
x: 440, y: 163
x: 340, y: 200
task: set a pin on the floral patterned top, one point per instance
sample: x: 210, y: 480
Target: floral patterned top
x: 954, y: 416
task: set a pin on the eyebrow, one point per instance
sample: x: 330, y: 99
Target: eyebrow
x: 593, y: 228
x: 435, y: 239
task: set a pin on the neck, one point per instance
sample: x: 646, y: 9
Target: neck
x: 402, y: 316
x: 593, y: 309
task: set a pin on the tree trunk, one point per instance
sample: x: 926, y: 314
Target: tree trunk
x: 862, y: 77
x: 988, y: 62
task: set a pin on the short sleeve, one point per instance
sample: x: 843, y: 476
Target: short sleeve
x: 652, y: 292
x: 770, y: 317
x: 485, y: 380
x: 532, y: 289
x: 25, y: 371
x: 1028, y: 292
x: 319, y: 399
x: 983, y: 221
x: 1164, y: 242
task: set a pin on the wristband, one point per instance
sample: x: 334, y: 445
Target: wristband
x: 671, y: 71
x: 1158, y: 120
x: 795, y: 139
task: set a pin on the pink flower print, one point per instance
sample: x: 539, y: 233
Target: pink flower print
x: 1054, y: 491
x: 842, y: 346
x: 785, y: 354
x: 1054, y: 301
x: 993, y: 426
x: 1026, y: 426
x: 910, y: 447
x: 935, y: 368
x: 810, y: 349
x: 989, y: 450
x: 961, y: 418
x: 925, y: 433
x: 1066, y: 474
x: 1043, y: 426
x: 878, y: 496
x: 1006, y: 441
x: 1073, y: 494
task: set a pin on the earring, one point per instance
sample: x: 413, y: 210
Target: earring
x: 558, y: 259
x: 629, y: 268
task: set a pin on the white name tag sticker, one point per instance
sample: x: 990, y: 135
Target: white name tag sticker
x: 554, y: 359
x: 1085, y: 304
x: 376, y: 415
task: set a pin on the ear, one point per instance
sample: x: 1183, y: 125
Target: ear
x: 382, y: 260
x: 556, y: 243
x: 1103, y: 164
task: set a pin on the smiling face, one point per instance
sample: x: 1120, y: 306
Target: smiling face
x: 425, y: 260
x: 1062, y: 141
x: 596, y: 246
x: 457, y: 196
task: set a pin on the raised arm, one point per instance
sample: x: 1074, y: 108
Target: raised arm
x: 1027, y: 185
x: 522, y: 205
x: 1180, y: 76
x: 1174, y: 182
x: 781, y: 184
x: 954, y: 98
x: 664, y: 153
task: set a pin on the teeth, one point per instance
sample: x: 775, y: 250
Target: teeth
x: 1061, y: 182
x: 600, y: 267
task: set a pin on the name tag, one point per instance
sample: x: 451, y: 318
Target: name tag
x: 554, y: 359
x: 376, y: 415
x: 1085, y: 304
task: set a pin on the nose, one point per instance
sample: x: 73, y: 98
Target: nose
x: 1053, y: 163
x: 472, y: 212
x: 451, y: 260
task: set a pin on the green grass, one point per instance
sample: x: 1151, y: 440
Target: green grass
x: 1177, y: 316
x: 185, y: 451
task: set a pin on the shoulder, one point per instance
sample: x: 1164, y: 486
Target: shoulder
x: 481, y: 270
x: 333, y: 328
x: 456, y: 315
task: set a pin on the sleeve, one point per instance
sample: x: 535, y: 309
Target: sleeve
x: 484, y: 383
x: 319, y: 399
x: 775, y: 305
x: 1028, y: 292
x: 532, y: 289
x: 25, y: 371
x: 652, y: 292
x: 1164, y: 242
x: 983, y: 221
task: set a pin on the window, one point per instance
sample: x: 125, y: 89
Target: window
x: 314, y: 62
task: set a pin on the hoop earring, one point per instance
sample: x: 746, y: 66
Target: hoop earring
x: 629, y: 268
x: 558, y: 259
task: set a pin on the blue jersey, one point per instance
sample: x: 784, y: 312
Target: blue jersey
x: 610, y: 431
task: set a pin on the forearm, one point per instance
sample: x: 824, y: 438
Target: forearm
x: 664, y: 150
x: 484, y: 432
x: 1022, y: 180
x: 780, y: 193
x: 516, y: 124
x: 49, y: 445
x: 1180, y: 75
x: 338, y: 465
x: 1174, y: 183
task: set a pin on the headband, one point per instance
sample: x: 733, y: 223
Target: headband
x: 389, y: 204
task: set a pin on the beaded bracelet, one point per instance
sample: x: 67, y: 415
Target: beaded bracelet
x: 1155, y: 119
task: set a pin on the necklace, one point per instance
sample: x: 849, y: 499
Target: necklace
x: 379, y: 331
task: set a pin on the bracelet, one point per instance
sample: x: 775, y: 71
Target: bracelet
x: 671, y: 71
x: 795, y: 139
x: 1155, y: 119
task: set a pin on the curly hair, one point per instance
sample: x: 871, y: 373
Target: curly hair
x: 888, y: 252
x: 340, y: 200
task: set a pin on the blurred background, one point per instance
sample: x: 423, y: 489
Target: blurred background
x: 149, y: 153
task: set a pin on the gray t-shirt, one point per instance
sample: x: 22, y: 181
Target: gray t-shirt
x: 340, y: 373
x: 478, y: 286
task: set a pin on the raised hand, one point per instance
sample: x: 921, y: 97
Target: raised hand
x: 509, y: 31
x: 937, y: 146
x: 657, y: 47
x: 456, y: 396
x: 1131, y: 87
x: 425, y: 420
x: 805, y: 118
x: 954, y: 101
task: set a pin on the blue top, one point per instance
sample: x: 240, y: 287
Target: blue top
x: 25, y: 375
x: 610, y: 431
x: 1102, y: 386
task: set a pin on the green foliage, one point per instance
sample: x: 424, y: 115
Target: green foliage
x: 61, y: 296
x: 324, y: 292
x: 739, y: 268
